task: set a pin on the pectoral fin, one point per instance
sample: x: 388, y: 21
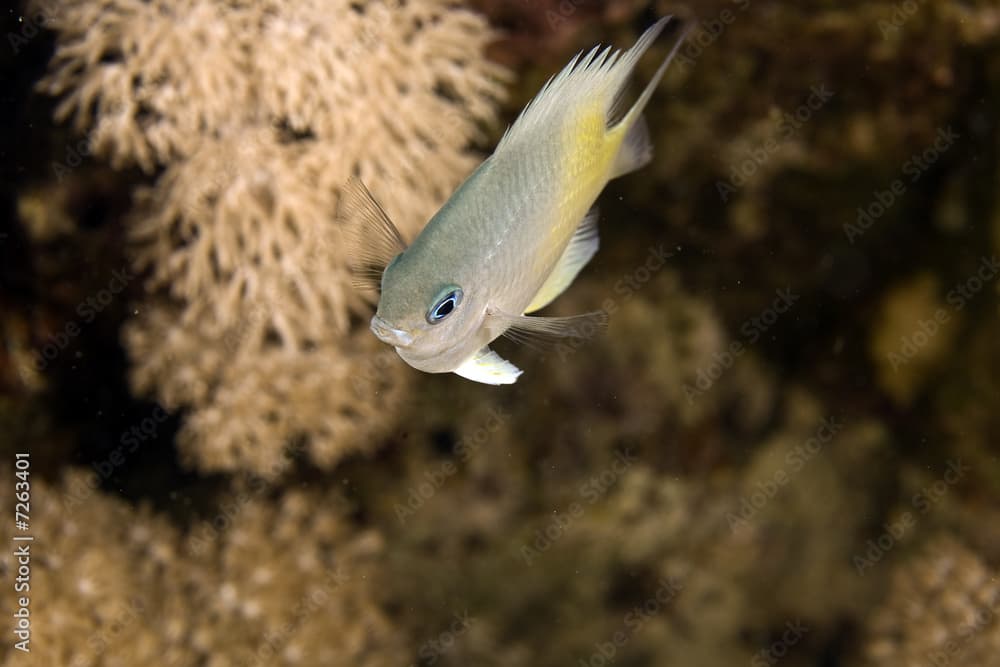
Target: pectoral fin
x: 373, y: 240
x: 581, y: 248
x: 488, y: 367
x: 543, y: 332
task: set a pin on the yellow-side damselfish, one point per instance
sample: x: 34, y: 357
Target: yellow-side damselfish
x: 518, y: 230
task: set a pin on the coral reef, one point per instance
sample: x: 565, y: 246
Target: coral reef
x: 915, y: 331
x: 942, y: 608
x: 266, y: 580
x: 756, y: 463
x: 593, y: 528
x: 282, y: 102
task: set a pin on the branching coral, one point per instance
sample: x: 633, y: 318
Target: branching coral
x: 260, y: 112
x: 147, y: 79
x: 942, y: 608
x: 260, y: 410
x: 86, y: 605
x: 267, y: 581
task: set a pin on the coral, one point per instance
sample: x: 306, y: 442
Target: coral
x: 87, y: 607
x: 289, y: 581
x: 590, y: 515
x: 913, y: 334
x: 41, y: 220
x: 269, y: 580
x: 260, y: 112
x: 260, y: 410
x: 942, y: 608
x: 150, y: 80
x: 145, y: 80
x: 689, y: 443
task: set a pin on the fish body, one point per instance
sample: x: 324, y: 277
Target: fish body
x: 518, y: 230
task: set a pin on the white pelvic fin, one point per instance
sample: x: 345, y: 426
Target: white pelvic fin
x: 581, y: 248
x: 488, y: 367
x: 636, y: 151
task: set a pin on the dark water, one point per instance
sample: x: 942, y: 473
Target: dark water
x: 782, y: 451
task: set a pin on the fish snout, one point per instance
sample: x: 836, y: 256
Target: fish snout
x: 389, y: 335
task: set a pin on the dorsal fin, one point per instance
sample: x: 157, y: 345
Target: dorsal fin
x: 599, y: 76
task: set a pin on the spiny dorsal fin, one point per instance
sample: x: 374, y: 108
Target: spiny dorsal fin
x: 583, y: 73
x: 372, y: 239
x: 600, y: 76
x: 581, y: 248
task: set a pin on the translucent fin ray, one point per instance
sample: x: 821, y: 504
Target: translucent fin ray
x: 372, y: 239
x: 541, y: 333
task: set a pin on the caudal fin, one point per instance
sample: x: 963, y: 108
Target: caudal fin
x: 636, y: 148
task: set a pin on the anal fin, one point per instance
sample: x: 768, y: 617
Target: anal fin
x: 581, y: 248
x: 488, y: 367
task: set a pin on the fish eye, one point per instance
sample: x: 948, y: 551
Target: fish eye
x: 445, y: 305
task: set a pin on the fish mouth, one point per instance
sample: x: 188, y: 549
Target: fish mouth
x: 388, y: 334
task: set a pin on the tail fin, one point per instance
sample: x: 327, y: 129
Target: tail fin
x: 636, y: 149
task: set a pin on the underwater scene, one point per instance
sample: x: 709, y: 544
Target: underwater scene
x: 480, y: 333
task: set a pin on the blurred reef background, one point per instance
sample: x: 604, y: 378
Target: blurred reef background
x: 784, y: 451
